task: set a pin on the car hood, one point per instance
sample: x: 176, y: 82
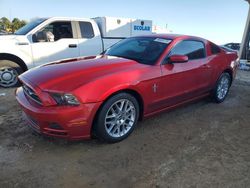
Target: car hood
x: 67, y: 75
x: 7, y: 37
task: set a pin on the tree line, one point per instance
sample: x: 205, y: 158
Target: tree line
x: 11, y: 26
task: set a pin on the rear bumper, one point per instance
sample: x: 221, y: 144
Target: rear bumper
x: 69, y: 122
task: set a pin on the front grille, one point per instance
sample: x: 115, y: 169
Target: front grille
x: 31, y: 94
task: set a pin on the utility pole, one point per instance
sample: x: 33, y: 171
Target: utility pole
x: 244, y: 47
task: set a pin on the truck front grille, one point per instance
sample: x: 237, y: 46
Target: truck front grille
x: 31, y: 94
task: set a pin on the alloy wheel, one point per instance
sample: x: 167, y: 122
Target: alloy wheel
x: 120, y: 118
x: 223, y: 87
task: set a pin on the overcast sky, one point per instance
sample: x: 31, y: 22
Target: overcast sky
x: 220, y: 21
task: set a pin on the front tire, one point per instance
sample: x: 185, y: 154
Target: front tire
x: 9, y: 72
x: 222, y: 87
x: 117, y: 118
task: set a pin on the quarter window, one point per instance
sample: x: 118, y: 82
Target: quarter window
x: 192, y: 49
x: 86, y: 30
x: 215, y: 49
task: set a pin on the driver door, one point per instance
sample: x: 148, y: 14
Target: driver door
x: 183, y: 81
x: 54, y: 42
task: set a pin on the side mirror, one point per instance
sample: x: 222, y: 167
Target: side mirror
x: 178, y: 59
x: 42, y: 36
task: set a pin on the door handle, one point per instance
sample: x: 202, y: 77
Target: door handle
x: 72, y: 45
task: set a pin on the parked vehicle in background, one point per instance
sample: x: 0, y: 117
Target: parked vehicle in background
x: 137, y: 77
x: 233, y: 46
x: 228, y: 49
x: 51, y: 39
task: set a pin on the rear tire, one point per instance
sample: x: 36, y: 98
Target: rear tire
x: 222, y: 87
x: 9, y: 72
x: 117, y: 118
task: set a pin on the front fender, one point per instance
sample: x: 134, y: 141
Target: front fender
x: 100, y: 89
x: 19, y: 48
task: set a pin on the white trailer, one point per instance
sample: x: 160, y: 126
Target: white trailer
x: 119, y: 28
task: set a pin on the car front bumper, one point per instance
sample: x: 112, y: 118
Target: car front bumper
x: 69, y: 122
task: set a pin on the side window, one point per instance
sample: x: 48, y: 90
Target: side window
x: 192, y: 49
x: 54, y: 31
x: 86, y: 30
x: 61, y: 30
x: 215, y: 49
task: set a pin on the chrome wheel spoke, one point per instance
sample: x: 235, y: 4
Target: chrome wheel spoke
x: 130, y: 120
x: 128, y: 125
x: 126, y: 106
x: 130, y: 108
x: 111, y: 127
x: 113, y: 111
x: 119, y: 130
x: 121, y: 106
x: 113, y: 130
x: 111, y: 116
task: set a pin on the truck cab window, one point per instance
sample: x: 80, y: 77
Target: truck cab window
x: 55, y: 31
x: 86, y: 30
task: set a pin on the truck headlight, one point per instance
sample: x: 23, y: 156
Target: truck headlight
x: 65, y: 99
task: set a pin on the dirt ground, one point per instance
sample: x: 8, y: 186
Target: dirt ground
x: 199, y: 145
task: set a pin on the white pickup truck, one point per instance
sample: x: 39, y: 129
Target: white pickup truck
x: 51, y: 39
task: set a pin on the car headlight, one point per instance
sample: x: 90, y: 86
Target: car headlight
x: 65, y: 99
x: 234, y: 63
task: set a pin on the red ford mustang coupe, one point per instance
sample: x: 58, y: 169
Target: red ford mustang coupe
x: 140, y: 76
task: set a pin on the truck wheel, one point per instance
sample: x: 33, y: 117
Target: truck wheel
x: 9, y: 72
x: 222, y: 87
x: 117, y: 118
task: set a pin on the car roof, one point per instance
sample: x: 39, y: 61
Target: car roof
x: 174, y: 36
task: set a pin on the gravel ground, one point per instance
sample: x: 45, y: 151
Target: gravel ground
x: 202, y: 144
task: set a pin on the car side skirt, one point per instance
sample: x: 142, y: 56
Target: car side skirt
x: 177, y: 105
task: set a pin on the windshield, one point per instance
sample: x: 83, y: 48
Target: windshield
x: 28, y: 27
x: 145, y: 50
